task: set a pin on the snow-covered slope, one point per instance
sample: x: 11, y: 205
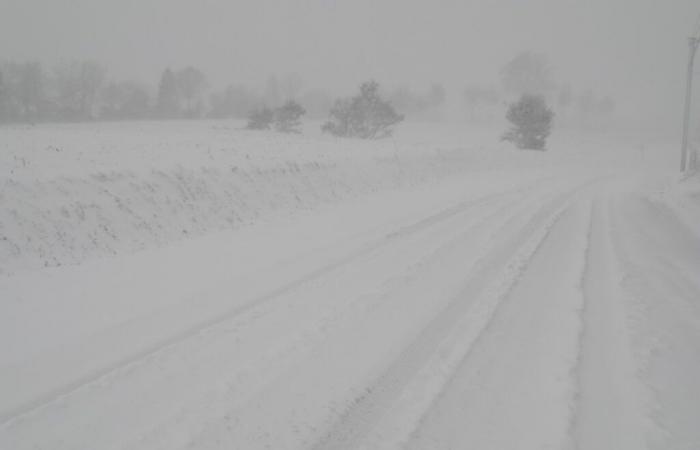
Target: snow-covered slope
x: 74, y: 192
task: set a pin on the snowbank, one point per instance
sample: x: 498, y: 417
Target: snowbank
x: 75, y: 192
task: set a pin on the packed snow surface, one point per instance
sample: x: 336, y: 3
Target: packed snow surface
x: 194, y: 285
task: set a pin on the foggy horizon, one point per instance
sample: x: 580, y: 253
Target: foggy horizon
x: 633, y: 51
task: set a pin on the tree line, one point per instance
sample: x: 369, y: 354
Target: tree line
x: 366, y: 115
x: 82, y: 91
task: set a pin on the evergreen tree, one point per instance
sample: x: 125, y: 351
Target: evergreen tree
x: 532, y: 122
x: 288, y: 117
x: 365, y: 116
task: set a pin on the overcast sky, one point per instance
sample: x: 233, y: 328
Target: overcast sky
x: 620, y: 47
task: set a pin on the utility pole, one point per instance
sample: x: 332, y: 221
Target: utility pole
x: 693, y: 46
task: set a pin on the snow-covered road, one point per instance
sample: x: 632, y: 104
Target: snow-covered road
x: 555, y: 310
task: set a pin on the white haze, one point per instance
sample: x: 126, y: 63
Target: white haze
x: 191, y: 265
x: 632, y: 50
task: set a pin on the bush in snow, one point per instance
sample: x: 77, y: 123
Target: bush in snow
x: 365, y: 116
x: 531, y: 121
x: 260, y: 119
x: 287, y: 117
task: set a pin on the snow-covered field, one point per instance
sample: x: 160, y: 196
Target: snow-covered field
x: 195, y: 285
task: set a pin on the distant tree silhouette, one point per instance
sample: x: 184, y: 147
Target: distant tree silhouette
x: 365, y: 116
x: 22, y: 92
x: 260, y: 118
x: 527, y: 73
x: 234, y: 101
x: 287, y: 118
x: 531, y: 121
x: 29, y: 91
x: 191, y: 83
x: 125, y: 100
x: 168, y: 100
x: 78, y: 84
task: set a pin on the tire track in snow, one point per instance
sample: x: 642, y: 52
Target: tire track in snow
x: 7, y: 418
x: 353, y: 426
x: 605, y: 409
x: 582, y: 332
x: 512, y: 388
x: 594, y: 420
x: 218, y: 412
